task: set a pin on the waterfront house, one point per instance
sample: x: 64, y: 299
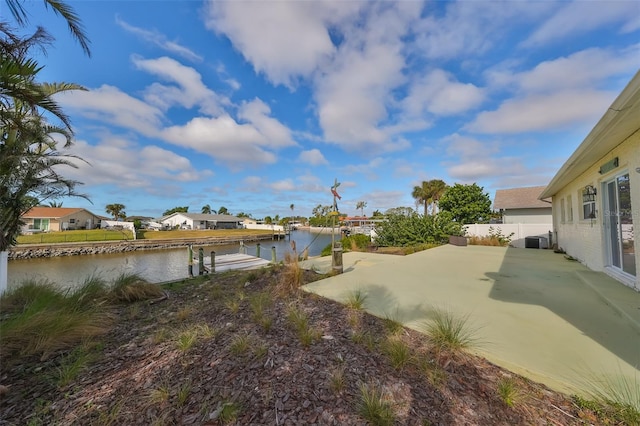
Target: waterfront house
x: 596, y: 193
x: 200, y: 221
x: 522, y: 205
x: 44, y: 219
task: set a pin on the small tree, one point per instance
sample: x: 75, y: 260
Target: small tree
x: 184, y: 209
x: 116, y: 210
x: 467, y: 203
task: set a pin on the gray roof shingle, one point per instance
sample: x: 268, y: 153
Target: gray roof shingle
x: 520, y: 198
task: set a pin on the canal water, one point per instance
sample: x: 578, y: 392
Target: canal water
x: 153, y: 265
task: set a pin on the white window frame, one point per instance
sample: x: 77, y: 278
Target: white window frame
x: 588, y: 201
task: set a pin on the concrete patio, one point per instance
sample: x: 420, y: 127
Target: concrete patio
x: 537, y: 313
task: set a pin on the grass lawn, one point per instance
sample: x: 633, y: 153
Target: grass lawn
x: 210, y: 233
x: 75, y: 236
x: 110, y: 235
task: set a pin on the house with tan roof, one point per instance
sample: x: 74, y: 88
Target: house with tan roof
x: 522, y: 205
x: 44, y: 219
x: 596, y: 193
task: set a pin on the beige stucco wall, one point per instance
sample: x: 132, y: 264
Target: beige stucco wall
x: 585, y: 239
x: 80, y: 218
x: 527, y: 216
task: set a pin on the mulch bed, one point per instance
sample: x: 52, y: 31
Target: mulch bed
x: 144, y: 371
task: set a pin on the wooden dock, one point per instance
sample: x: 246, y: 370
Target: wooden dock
x: 236, y: 261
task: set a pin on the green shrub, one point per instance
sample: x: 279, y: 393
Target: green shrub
x: 402, y: 231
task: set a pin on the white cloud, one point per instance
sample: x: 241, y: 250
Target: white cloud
x: 120, y: 163
x: 313, y: 157
x: 439, y: 93
x: 557, y: 93
x: 109, y: 104
x: 471, y: 28
x: 538, y: 113
x: 580, y: 17
x: 223, y: 139
x: 473, y: 170
x: 283, y: 40
x: 353, y: 92
x: 283, y: 185
x: 586, y: 68
x: 467, y: 147
x: 369, y: 170
x: 236, y: 144
x: 352, y: 52
x: 160, y: 40
x: 258, y: 113
x: 476, y: 159
x: 189, y: 92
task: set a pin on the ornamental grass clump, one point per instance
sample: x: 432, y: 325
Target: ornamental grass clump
x: 617, y: 396
x: 449, y: 333
x: 374, y: 407
x: 291, y: 276
x: 131, y: 288
x: 42, y: 319
x: 509, y: 392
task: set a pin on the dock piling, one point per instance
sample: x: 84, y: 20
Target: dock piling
x: 213, y: 261
x: 273, y: 254
x: 257, y: 249
x: 190, y: 255
x: 200, y: 261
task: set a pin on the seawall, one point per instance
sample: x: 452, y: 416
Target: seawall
x: 32, y: 251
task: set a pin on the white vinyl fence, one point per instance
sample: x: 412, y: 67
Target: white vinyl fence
x: 264, y: 227
x: 520, y: 231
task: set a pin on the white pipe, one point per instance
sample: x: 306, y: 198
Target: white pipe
x: 4, y: 268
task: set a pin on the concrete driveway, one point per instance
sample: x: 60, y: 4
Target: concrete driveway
x: 537, y: 313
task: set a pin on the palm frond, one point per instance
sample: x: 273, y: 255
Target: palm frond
x: 73, y: 22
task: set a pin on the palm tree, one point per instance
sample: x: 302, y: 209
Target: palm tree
x: 60, y: 8
x: 116, y: 210
x: 206, y: 209
x: 360, y: 205
x: 438, y: 187
x: 55, y: 204
x: 429, y: 192
x: 422, y: 194
x: 29, y: 157
x: 223, y: 210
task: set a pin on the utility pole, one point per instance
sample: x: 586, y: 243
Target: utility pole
x: 336, y: 249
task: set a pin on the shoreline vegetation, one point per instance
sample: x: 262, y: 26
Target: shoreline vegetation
x: 251, y: 347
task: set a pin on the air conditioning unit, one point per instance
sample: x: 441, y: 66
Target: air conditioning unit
x: 536, y: 242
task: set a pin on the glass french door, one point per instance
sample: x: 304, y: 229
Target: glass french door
x: 618, y: 224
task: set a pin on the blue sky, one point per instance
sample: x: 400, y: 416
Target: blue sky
x: 259, y: 105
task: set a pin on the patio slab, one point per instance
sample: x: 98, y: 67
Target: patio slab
x: 536, y: 313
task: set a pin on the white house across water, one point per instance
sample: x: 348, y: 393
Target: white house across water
x: 596, y: 193
x: 201, y: 221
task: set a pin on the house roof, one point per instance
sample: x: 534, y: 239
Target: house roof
x: 617, y: 124
x: 520, y: 198
x: 51, y: 212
